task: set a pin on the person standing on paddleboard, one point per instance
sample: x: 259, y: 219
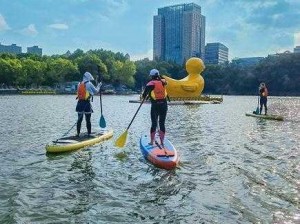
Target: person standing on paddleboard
x: 156, y: 91
x: 263, y: 92
x: 85, y: 92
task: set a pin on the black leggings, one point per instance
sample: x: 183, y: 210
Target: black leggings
x: 88, y: 122
x: 158, y: 112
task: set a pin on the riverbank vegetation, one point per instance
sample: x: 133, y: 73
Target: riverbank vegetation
x: 280, y: 72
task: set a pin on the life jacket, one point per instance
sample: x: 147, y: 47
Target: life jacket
x: 159, y: 92
x: 82, y: 93
x: 264, y: 92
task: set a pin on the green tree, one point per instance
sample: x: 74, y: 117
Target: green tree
x: 123, y: 73
x: 9, y: 70
x: 76, y: 54
x: 60, y: 70
x: 32, y: 72
x: 93, y: 64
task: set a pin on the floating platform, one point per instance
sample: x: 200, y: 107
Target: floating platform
x: 188, y: 100
x: 37, y: 92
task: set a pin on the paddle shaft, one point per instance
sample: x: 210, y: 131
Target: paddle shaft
x: 99, y: 80
x: 100, y: 100
x: 257, y: 108
x: 135, y: 114
x: 68, y: 130
x: 102, y: 122
x: 72, y: 126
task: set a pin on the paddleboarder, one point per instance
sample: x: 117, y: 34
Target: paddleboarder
x: 156, y: 91
x: 263, y: 92
x: 85, y: 92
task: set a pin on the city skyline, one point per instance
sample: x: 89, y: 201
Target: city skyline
x: 248, y: 29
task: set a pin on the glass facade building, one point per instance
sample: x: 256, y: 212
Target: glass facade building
x: 216, y: 53
x: 179, y: 33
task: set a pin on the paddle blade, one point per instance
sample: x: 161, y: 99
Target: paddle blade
x: 120, y: 142
x: 102, y: 122
x: 257, y: 111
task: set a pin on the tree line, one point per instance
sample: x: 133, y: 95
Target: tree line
x: 279, y: 72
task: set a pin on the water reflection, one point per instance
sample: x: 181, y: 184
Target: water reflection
x: 81, y: 179
x: 233, y: 168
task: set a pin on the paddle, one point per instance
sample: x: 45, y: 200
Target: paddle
x: 67, y: 132
x: 120, y: 142
x: 102, y: 122
x: 73, y: 125
x: 257, y: 108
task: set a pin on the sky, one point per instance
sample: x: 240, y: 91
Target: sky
x: 249, y: 28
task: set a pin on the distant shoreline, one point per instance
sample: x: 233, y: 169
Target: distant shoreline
x: 14, y: 91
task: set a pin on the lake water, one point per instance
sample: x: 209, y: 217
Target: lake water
x: 233, y: 169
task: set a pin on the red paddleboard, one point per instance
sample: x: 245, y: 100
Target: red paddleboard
x: 162, y: 156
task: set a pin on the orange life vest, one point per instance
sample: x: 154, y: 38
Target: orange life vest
x: 265, y: 92
x: 159, y: 92
x: 82, y: 93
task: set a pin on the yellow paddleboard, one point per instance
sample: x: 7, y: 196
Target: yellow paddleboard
x: 71, y: 143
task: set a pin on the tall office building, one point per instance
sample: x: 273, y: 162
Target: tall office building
x: 13, y: 49
x: 297, y: 49
x: 216, y: 53
x: 179, y: 33
x: 35, y: 50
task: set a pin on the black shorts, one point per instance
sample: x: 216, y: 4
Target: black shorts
x: 263, y: 100
x: 84, y: 106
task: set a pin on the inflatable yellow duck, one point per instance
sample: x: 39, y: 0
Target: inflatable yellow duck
x: 190, y: 86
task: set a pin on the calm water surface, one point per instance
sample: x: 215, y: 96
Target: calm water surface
x: 233, y: 169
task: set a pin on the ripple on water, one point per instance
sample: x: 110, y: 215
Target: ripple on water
x: 233, y: 169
